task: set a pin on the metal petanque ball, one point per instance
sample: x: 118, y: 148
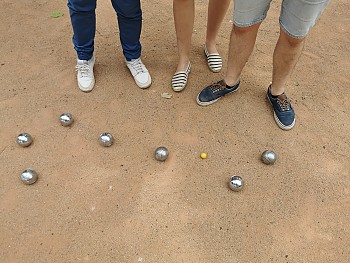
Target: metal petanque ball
x: 66, y: 119
x: 236, y: 183
x: 24, y: 139
x: 28, y: 176
x: 161, y: 153
x: 106, y: 139
x: 268, y: 157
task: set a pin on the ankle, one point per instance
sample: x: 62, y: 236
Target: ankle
x: 231, y: 81
x: 276, y: 91
x: 211, y: 47
x: 182, y: 65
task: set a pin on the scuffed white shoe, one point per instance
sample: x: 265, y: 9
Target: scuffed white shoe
x: 140, y: 73
x: 85, y: 76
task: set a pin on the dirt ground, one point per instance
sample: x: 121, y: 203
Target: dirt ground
x: 118, y: 204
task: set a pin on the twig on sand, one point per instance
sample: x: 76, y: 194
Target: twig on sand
x: 3, y: 149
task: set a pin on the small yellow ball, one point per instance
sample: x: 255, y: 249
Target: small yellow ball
x: 203, y: 155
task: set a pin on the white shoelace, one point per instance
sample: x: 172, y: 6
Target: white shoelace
x: 84, y: 70
x: 137, y: 66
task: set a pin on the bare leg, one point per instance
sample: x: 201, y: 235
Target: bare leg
x: 285, y: 57
x: 216, y: 12
x: 241, y: 46
x: 184, y: 20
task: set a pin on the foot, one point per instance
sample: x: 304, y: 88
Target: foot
x: 85, y: 75
x: 214, y: 60
x: 140, y: 73
x: 282, y: 110
x: 180, y: 78
x: 214, y: 92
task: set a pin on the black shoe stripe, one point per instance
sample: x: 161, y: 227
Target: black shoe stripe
x: 215, y: 60
x: 179, y: 80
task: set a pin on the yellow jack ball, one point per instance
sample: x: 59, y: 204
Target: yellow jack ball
x: 203, y: 155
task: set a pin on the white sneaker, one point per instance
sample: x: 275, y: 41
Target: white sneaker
x: 85, y: 76
x: 140, y: 73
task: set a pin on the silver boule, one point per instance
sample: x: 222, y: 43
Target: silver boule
x: 161, y: 153
x: 66, y: 119
x: 28, y: 176
x: 106, y: 139
x: 268, y: 157
x: 24, y: 139
x: 236, y: 183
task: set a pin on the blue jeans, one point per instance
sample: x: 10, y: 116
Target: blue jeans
x: 83, y: 18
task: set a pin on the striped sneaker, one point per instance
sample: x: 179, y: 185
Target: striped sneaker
x: 214, y: 61
x: 179, y: 79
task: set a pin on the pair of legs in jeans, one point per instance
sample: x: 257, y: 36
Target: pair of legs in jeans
x: 296, y: 19
x: 83, y: 18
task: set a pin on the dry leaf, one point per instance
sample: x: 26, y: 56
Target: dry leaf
x: 166, y: 95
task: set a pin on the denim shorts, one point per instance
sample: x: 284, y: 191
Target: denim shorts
x: 297, y: 17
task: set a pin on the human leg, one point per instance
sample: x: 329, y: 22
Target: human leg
x: 247, y: 18
x: 184, y: 19
x: 296, y: 20
x: 248, y: 15
x: 83, y: 19
x: 241, y: 46
x: 130, y: 22
x: 285, y: 57
x: 216, y: 13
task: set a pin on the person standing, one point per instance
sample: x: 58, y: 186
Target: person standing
x: 83, y: 19
x: 184, y: 21
x: 297, y: 17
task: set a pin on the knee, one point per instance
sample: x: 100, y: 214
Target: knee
x: 295, y: 42
x: 129, y: 11
x: 244, y: 30
x: 291, y: 41
x: 80, y: 6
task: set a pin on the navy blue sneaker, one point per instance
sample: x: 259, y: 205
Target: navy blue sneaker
x: 214, y: 92
x: 282, y: 110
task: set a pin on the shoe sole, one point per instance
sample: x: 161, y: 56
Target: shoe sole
x: 144, y: 85
x: 211, y: 102
x: 281, y: 125
x: 215, y: 71
x: 278, y: 122
x: 88, y: 89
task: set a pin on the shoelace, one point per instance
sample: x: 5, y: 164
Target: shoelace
x: 216, y: 87
x: 137, y: 65
x: 284, y: 104
x: 84, y: 70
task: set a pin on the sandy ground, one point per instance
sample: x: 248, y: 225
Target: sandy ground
x: 118, y: 204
